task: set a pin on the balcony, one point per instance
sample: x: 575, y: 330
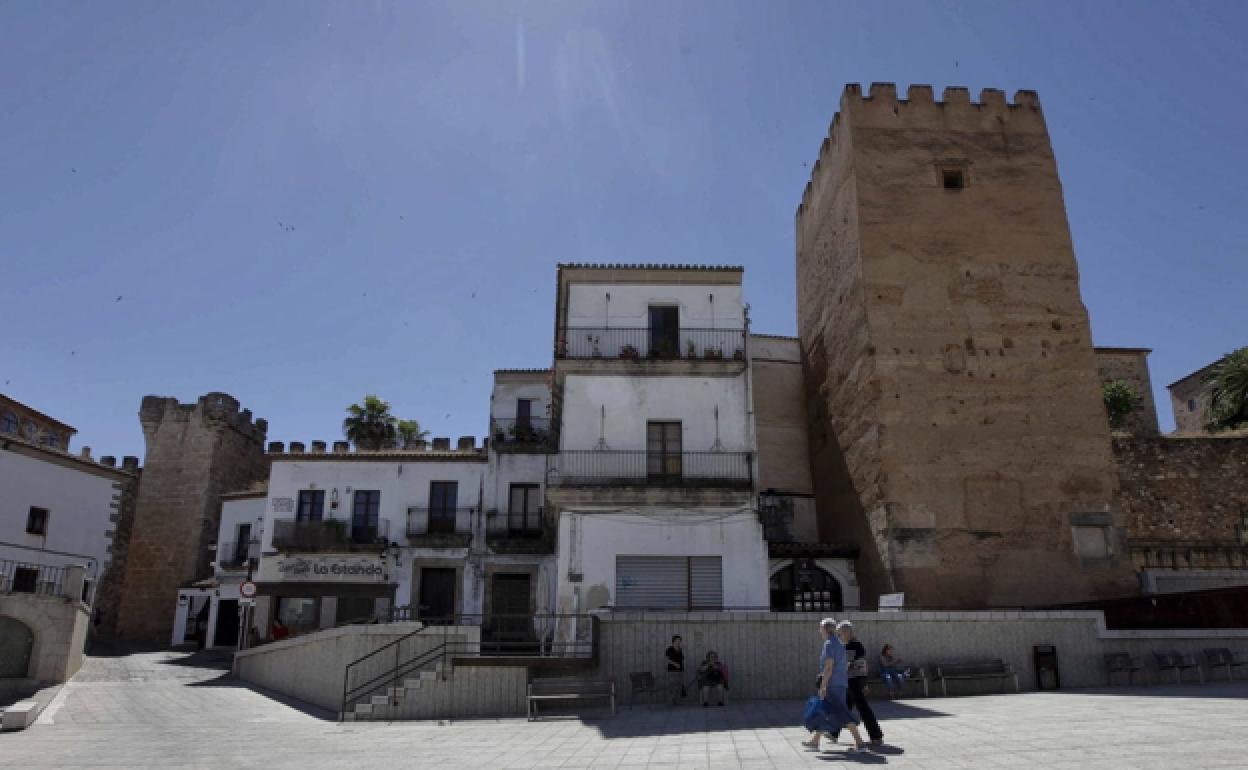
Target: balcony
x: 595, y: 467
x: 518, y: 532
x: 237, y: 555
x: 329, y: 535
x: 520, y: 434
x: 24, y: 578
x: 440, y: 527
x: 638, y: 343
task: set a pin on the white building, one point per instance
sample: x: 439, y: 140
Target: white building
x: 57, y: 509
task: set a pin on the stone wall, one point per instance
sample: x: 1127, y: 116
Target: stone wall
x: 59, y: 626
x: 195, y: 452
x: 1130, y: 365
x: 1185, y: 500
x: 108, y: 596
x: 1188, y: 404
x: 779, y: 415
x: 958, y: 434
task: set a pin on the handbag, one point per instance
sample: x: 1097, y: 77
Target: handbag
x: 857, y: 668
x: 815, y: 715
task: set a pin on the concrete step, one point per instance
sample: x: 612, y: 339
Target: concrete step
x: 20, y: 715
x: 379, y: 700
x: 363, y: 708
x: 348, y: 716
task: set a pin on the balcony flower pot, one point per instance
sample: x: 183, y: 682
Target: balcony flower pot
x: 713, y: 354
x: 629, y: 353
x: 691, y: 350
x: 739, y: 355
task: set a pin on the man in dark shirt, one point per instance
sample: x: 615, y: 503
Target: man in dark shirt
x: 856, y: 697
x: 675, y: 669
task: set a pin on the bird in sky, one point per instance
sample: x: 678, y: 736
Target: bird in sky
x: 118, y: 298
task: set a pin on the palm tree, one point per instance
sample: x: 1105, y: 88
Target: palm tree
x: 371, y: 426
x: 410, y: 433
x: 1225, y: 392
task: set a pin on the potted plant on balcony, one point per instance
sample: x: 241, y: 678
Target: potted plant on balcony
x: 336, y: 531
x: 593, y: 341
x: 713, y: 354
x: 738, y: 355
x: 630, y: 353
x: 691, y: 350
x: 561, y: 347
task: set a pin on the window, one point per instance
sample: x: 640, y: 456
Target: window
x: 1092, y: 542
x: 297, y: 614
x: 50, y: 439
x: 364, y: 515
x: 30, y: 430
x: 953, y: 178
x: 664, y: 331
x: 524, y: 511
x: 805, y: 587
x: 25, y: 580
x: 8, y: 423
x: 37, y: 521
x: 669, y: 582
x: 243, y: 545
x: 86, y: 592
x: 443, y: 497
x: 663, y: 450
x: 1191, y: 405
x: 311, y: 505
x: 524, y: 412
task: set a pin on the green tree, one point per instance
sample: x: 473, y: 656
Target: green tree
x: 371, y: 426
x: 1225, y: 392
x: 1120, y: 401
x: 410, y: 432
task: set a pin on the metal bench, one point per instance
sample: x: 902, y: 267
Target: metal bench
x: 1172, y: 660
x: 568, y: 689
x: 976, y: 669
x: 1221, y: 656
x: 917, y: 674
x: 1123, y: 663
x: 641, y: 682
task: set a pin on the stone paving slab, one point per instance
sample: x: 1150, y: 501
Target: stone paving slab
x: 165, y: 709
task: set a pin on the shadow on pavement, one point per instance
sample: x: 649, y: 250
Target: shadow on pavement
x: 226, y: 679
x: 1237, y: 690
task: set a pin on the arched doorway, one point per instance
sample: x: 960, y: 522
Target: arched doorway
x: 804, y: 586
x: 16, y: 642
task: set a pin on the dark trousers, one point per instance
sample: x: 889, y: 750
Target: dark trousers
x: 855, y: 698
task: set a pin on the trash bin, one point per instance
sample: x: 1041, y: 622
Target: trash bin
x: 1045, y: 657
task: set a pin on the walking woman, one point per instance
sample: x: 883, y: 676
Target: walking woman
x: 833, y: 687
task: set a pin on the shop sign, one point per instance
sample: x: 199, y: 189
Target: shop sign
x: 310, y: 568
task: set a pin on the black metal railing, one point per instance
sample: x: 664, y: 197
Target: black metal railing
x: 608, y: 466
x: 520, y: 433
x: 544, y: 636
x: 433, y: 522
x: 236, y: 555
x: 521, y: 524
x: 20, y: 577
x: 643, y: 342
x: 329, y: 535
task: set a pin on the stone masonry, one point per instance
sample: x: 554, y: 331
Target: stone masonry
x: 958, y: 435
x: 195, y: 452
x: 1130, y: 365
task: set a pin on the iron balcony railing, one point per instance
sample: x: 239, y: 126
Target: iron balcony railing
x: 522, y: 524
x: 520, y: 433
x: 642, y: 342
x: 433, y: 522
x: 237, y: 555
x: 330, y: 535
x: 594, y: 467
x: 19, y: 577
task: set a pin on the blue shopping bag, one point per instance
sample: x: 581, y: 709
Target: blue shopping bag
x: 815, y: 717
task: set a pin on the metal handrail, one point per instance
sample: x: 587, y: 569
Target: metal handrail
x: 420, y: 521
x: 635, y: 342
x: 49, y: 581
x: 607, y: 466
x: 514, y: 523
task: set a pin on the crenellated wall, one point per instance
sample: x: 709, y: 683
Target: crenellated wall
x: 958, y: 434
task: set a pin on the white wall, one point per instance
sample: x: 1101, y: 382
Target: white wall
x: 590, y: 541
x: 630, y: 303
x: 505, y: 394
x: 79, y: 504
x: 512, y: 468
x: 631, y: 401
x: 235, y: 512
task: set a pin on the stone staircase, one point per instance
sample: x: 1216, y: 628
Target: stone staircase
x: 386, y: 706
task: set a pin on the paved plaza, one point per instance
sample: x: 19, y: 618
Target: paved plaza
x: 168, y: 709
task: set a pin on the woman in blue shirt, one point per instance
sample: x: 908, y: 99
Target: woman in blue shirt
x: 833, y: 686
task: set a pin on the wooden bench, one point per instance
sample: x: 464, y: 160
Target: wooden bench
x: 1123, y: 663
x: 1172, y: 660
x: 1221, y: 656
x: 917, y: 675
x: 975, y: 669
x: 568, y: 689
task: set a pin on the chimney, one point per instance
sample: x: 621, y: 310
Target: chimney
x: 109, y: 460
x: 85, y: 453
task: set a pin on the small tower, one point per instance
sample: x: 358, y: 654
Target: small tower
x: 195, y: 452
x: 958, y: 435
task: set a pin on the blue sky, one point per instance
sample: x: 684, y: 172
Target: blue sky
x: 300, y: 203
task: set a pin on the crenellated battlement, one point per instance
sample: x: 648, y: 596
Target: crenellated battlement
x: 881, y: 109
x: 439, y: 448
x: 215, y: 408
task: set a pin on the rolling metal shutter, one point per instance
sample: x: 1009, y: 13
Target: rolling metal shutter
x: 706, y: 583
x: 652, y: 582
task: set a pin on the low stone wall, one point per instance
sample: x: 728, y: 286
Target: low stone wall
x: 773, y: 655
x: 59, y: 626
x: 311, y: 667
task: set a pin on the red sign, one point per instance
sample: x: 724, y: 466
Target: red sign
x: 247, y: 589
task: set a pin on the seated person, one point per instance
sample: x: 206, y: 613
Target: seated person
x: 891, y: 671
x: 712, y: 679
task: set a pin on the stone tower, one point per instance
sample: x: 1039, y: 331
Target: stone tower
x: 958, y: 435
x: 194, y: 453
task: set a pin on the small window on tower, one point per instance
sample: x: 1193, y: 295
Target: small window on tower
x: 953, y: 178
